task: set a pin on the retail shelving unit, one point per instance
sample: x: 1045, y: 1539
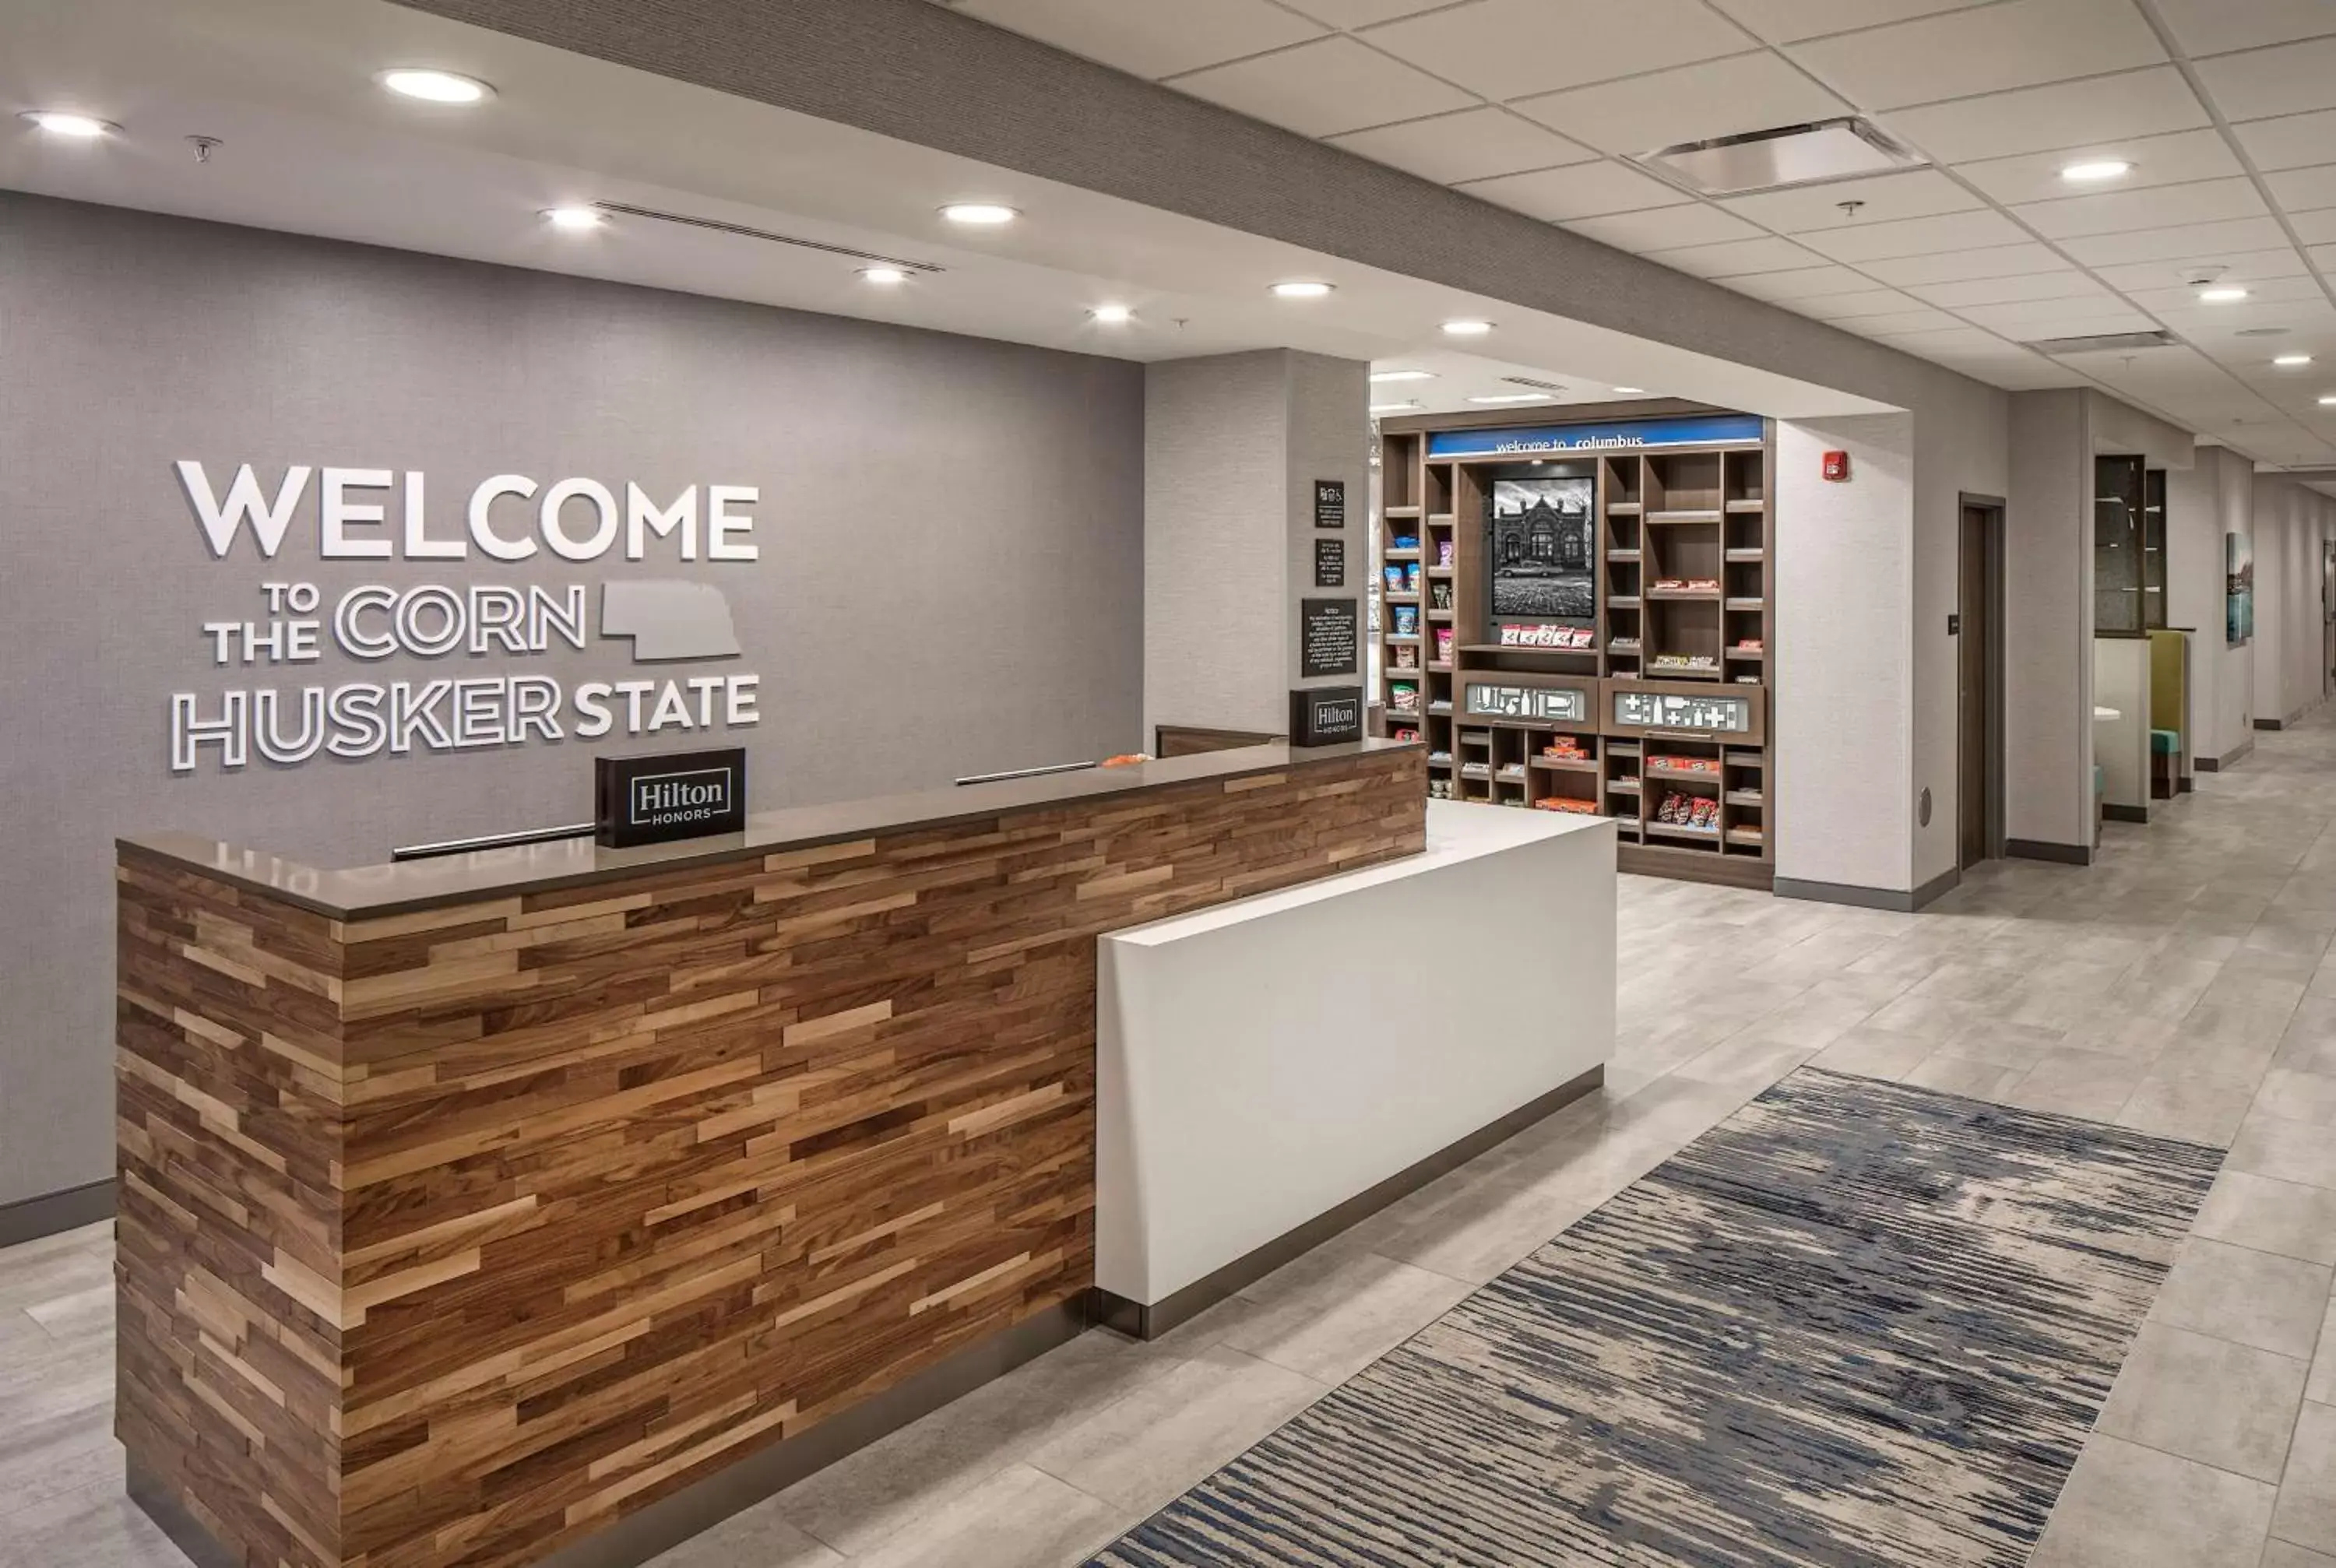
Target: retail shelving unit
x: 1667, y: 705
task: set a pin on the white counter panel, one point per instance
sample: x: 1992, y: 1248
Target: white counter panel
x: 1264, y: 1061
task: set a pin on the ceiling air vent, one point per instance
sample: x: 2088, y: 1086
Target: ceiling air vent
x: 626, y: 209
x: 1529, y: 381
x: 2104, y: 343
x: 1808, y: 154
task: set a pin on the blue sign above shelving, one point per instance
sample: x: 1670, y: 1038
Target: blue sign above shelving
x: 1623, y: 435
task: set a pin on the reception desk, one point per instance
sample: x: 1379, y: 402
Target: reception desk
x: 473, y: 1210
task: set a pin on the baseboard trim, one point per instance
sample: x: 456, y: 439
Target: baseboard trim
x: 1902, y: 900
x: 2270, y: 724
x: 2125, y: 814
x: 1149, y: 1320
x: 2228, y: 760
x: 2040, y: 850
x: 637, y: 1538
x: 30, y: 1218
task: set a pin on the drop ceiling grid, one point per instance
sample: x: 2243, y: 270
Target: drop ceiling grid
x: 2040, y: 49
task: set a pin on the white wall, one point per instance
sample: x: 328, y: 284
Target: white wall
x: 2291, y: 525
x: 1961, y: 447
x: 2204, y: 503
x: 1329, y: 424
x: 1845, y: 676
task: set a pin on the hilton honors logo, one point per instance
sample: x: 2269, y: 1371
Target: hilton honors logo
x: 652, y: 799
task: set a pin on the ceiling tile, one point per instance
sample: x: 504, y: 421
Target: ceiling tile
x: 1151, y: 41
x: 1899, y: 321
x: 2113, y: 211
x: 2287, y: 80
x: 1666, y: 228
x: 2314, y: 227
x: 1359, y: 12
x: 1583, y: 191
x: 1918, y: 193
x: 2176, y: 159
x: 1955, y: 266
x: 2064, y: 114
x: 2215, y: 26
x: 1691, y: 104
x: 2238, y: 267
x: 1864, y: 302
x: 2276, y: 297
x: 2029, y: 319
x: 2291, y: 143
x: 1474, y: 144
x: 1804, y: 283
x: 1956, y: 341
x: 1741, y: 257
x: 1319, y: 89
x: 2299, y: 189
x: 2323, y: 256
x: 1786, y: 21
x: 2069, y: 284
x: 2181, y: 244
x: 1508, y: 48
x: 1991, y: 49
x: 1914, y: 235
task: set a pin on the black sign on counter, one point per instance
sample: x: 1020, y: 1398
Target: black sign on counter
x: 1329, y: 504
x: 1326, y: 637
x: 1329, y: 563
x: 654, y: 800
x: 1326, y: 714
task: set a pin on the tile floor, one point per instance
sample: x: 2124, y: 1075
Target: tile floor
x: 2184, y: 985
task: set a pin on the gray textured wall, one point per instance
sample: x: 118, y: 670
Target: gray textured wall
x: 951, y: 572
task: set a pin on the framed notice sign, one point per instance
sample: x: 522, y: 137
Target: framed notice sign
x: 1329, y: 504
x: 1328, y: 637
x: 1329, y: 563
x: 653, y: 799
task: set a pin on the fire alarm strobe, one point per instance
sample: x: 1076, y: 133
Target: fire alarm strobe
x: 1836, y: 465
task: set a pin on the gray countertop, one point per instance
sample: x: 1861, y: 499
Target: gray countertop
x: 371, y: 892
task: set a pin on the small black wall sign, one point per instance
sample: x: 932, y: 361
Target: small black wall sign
x: 1326, y: 714
x: 654, y: 800
x: 1329, y: 563
x: 1329, y: 504
x: 1326, y: 637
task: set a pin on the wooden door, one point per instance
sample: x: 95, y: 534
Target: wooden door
x: 1975, y: 655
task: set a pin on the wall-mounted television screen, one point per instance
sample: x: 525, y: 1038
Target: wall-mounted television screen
x: 1543, y: 550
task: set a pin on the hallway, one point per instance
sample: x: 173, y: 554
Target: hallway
x: 2181, y: 986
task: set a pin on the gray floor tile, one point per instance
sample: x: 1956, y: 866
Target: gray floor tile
x: 1347, y: 1319
x: 2197, y: 1110
x: 2294, y: 1096
x: 2281, y: 1554
x: 2290, y: 1151
x: 2249, y: 1298
x: 2078, y: 1084
x: 1953, y: 1075
x: 2306, y: 1515
x: 2127, y: 1506
x: 2270, y: 1216
x: 761, y: 1537
x: 2322, y: 1388
x: 2221, y: 1403
x: 1019, y: 1519
x: 1870, y: 1053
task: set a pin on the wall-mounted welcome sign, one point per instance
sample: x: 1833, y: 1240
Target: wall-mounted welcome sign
x: 1612, y: 436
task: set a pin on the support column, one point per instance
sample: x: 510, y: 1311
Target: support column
x: 1234, y: 445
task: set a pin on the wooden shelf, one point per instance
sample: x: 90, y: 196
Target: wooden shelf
x: 1628, y: 787
x: 1625, y: 508
x: 1440, y: 572
x: 1542, y: 652
x: 1626, y: 556
x: 1439, y: 669
x: 1744, y: 653
x: 1399, y: 636
x: 1624, y: 748
x: 1697, y: 835
x: 1679, y: 672
x: 1746, y: 836
x: 1748, y: 604
x: 1747, y: 798
x: 1623, y: 601
x: 1440, y: 614
x: 1684, y: 775
x: 1400, y: 598
x: 1393, y: 554
x: 1693, y: 595
x: 1742, y: 507
x: 1562, y: 765
x: 1679, y: 519
x: 1744, y: 759
x: 1399, y: 511
x: 1747, y: 557
x: 1442, y: 518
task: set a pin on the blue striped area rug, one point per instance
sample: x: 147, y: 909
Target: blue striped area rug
x: 1857, y: 1325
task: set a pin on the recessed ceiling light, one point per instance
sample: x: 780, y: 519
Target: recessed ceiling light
x: 884, y: 274
x: 1393, y: 407
x: 1631, y: 391
x: 2293, y: 360
x: 2225, y: 295
x: 1301, y: 288
x: 574, y: 217
x: 2328, y: 402
x: 979, y: 214
x: 63, y: 122
x: 1113, y: 314
x: 1515, y: 397
x: 1467, y: 329
x: 1403, y: 375
x: 434, y: 86
x: 2094, y: 170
